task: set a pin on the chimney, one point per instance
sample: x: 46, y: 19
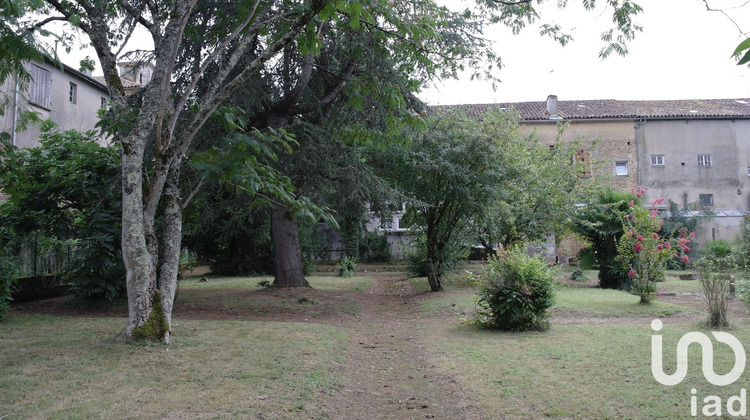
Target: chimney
x: 552, y: 107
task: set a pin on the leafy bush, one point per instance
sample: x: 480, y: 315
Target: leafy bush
x: 717, y: 249
x: 68, y: 189
x: 416, y: 257
x: 346, y: 266
x: 713, y: 278
x: 375, y: 248
x: 514, y: 294
x: 8, y: 275
x: 579, y: 275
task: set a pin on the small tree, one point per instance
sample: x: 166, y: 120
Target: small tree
x: 713, y: 278
x: 515, y: 292
x: 451, y: 172
x: 600, y: 223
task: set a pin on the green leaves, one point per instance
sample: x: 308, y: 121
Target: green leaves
x: 742, y: 52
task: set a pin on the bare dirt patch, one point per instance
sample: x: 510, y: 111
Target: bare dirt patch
x: 388, y: 373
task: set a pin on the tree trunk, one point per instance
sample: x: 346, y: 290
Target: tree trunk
x: 140, y: 277
x: 433, y: 277
x: 288, y: 258
x: 170, y: 258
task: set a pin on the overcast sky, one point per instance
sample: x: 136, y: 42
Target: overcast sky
x: 682, y: 53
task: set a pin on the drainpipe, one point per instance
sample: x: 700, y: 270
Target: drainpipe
x: 15, y: 115
x: 638, y: 150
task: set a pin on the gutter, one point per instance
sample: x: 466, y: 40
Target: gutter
x: 638, y: 150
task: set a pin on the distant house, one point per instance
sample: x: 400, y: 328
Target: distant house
x: 68, y: 97
x: 688, y: 151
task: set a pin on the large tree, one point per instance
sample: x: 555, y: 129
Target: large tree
x: 451, y: 172
x: 156, y: 126
x: 544, y: 192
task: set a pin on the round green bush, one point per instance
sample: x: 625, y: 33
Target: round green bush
x: 514, y: 294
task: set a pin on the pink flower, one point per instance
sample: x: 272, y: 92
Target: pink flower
x: 637, y: 247
x: 631, y: 203
x: 631, y: 273
x: 627, y: 216
x: 685, y: 259
x: 639, y: 195
x: 657, y: 201
x: 654, y: 213
x: 655, y: 235
x: 659, y: 247
x: 686, y: 248
x: 692, y: 234
x: 643, y: 191
x: 666, y: 245
x: 640, y: 238
x: 674, y: 255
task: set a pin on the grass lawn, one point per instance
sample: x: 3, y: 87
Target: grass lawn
x: 573, y: 371
x: 598, y: 368
x: 57, y: 367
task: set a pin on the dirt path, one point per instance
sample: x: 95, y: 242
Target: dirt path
x: 387, y: 370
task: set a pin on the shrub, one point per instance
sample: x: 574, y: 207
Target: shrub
x: 346, y: 266
x: 514, y: 294
x: 717, y: 249
x: 8, y: 272
x: 375, y: 248
x: 713, y: 278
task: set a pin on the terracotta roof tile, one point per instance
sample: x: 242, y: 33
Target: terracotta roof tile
x: 614, y: 109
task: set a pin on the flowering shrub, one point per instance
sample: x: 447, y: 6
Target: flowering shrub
x: 644, y: 251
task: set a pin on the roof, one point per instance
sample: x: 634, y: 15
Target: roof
x: 612, y: 109
x: 127, y: 84
x: 95, y: 81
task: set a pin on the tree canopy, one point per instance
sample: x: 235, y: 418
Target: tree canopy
x: 228, y: 43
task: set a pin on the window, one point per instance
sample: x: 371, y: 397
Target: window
x: 706, y: 200
x: 704, y: 160
x: 621, y: 167
x: 583, y: 157
x: 40, y: 86
x: 657, y: 160
x: 73, y: 93
x: 103, y: 105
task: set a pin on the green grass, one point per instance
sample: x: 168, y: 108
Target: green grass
x: 67, y: 368
x: 592, y: 302
x: 675, y: 285
x: 573, y: 371
x: 575, y: 301
x: 355, y: 284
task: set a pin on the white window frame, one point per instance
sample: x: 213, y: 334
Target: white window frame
x: 657, y: 160
x: 621, y: 164
x: 73, y: 93
x: 40, y: 87
x: 704, y: 160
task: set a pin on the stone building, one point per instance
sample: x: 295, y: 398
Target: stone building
x: 68, y: 97
x: 687, y: 151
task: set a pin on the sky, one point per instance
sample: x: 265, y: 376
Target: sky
x: 683, y: 53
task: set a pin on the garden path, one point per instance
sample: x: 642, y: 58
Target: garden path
x: 387, y: 371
